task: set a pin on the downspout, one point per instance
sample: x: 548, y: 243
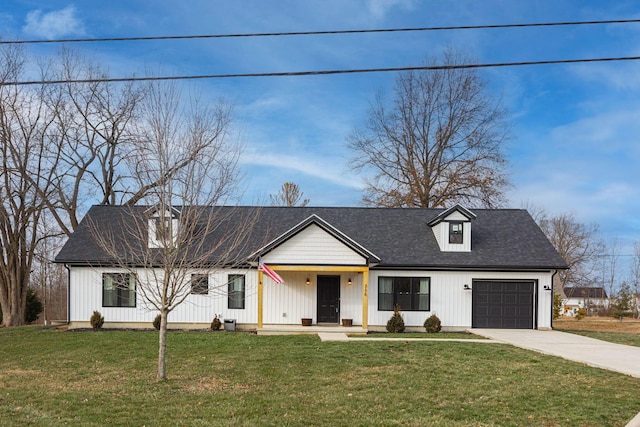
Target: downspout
x: 552, y: 296
x: 68, y: 293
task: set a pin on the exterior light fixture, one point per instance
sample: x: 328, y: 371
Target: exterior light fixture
x: 349, y: 281
x: 308, y: 282
x: 466, y: 287
x: 547, y: 287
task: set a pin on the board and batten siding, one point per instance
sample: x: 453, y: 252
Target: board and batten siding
x: 313, y: 245
x: 289, y: 302
x: 450, y: 301
x: 86, y: 296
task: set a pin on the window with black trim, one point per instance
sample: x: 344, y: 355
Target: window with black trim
x: 118, y: 290
x: 456, y: 232
x: 200, y: 284
x: 409, y: 293
x: 236, y: 291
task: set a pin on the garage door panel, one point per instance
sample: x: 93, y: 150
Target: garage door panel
x: 503, y: 304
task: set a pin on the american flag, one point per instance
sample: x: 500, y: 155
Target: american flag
x: 269, y: 272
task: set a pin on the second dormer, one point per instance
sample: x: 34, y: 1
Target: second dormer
x: 452, y: 229
x: 163, y: 226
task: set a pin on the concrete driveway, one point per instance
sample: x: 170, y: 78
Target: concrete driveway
x: 600, y: 354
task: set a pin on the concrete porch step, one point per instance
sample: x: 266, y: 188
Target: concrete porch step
x: 315, y: 329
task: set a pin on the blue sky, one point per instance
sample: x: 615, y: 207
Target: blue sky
x: 575, y: 129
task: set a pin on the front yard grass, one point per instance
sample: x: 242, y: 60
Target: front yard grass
x: 108, y: 378
x: 614, y: 337
x: 425, y: 335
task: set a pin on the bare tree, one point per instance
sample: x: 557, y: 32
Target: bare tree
x: 183, y: 233
x: 289, y: 195
x: 610, y: 257
x: 93, y: 135
x: 635, y: 278
x: 441, y: 141
x: 578, y: 245
x: 25, y: 183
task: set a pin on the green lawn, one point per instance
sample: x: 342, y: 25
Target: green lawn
x: 424, y: 335
x: 51, y: 378
x: 615, y: 337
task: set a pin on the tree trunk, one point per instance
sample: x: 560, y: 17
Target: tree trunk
x: 162, y: 347
x: 14, y: 306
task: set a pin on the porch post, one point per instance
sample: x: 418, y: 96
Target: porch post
x: 365, y: 298
x: 260, y: 298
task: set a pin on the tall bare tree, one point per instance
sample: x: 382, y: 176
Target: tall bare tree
x: 289, y: 195
x: 179, y: 235
x: 635, y: 278
x: 25, y: 183
x: 579, y: 246
x: 94, y: 134
x: 440, y: 142
x: 610, y: 258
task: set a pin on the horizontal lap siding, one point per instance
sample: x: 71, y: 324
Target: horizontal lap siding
x: 313, y: 245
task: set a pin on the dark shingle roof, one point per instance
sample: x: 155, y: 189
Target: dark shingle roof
x: 585, y: 292
x: 400, y: 237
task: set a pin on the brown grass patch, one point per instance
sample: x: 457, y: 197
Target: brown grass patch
x: 600, y: 324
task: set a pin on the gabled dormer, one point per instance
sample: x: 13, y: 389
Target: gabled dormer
x: 163, y: 226
x: 452, y: 229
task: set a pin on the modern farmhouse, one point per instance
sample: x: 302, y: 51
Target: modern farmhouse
x: 486, y: 268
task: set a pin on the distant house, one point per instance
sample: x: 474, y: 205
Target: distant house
x: 475, y: 269
x: 591, y: 299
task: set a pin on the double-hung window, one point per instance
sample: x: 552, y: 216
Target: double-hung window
x: 409, y: 293
x: 236, y: 291
x: 456, y: 232
x: 118, y: 290
x: 200, y: 284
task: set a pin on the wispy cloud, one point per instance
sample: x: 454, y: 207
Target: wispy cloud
x: 53, y: 24
x: 380, y: 8
x: 328, y: 170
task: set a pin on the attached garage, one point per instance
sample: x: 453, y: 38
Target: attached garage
x: 504, y: 304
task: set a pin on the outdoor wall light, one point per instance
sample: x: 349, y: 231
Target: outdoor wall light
x: 547, y: 287
x: 308, y: 282
x: 349, y: 281
x: 466, y: 287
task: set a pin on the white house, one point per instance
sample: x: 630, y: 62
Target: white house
x: 481, y: 269
x: 590, y: 298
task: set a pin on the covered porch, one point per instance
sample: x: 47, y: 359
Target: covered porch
x: 322, y: 298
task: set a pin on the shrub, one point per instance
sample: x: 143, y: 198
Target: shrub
x: 557, y: 306
x: 216, y: 323
x: 433, y: 325
x: 96, y: 320
x: 396, y: 323
x: 156, y: 322
x: 581, y: 313
x: 34, y: 306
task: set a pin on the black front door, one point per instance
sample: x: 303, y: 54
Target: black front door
x: 328, y: 299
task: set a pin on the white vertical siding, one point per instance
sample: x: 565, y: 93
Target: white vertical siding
x: 450, y: 301
x: 86, y: 296
x: 313, y: 245
x: 292, y: 300
x: 287, y: 303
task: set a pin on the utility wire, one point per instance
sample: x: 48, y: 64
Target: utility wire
x: 314, y: 33
x: 318, y: 72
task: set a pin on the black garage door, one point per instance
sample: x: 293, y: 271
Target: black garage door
x: 503, y: 304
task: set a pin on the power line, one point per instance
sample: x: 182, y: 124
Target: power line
x: 314, y: 33
x: 318, y: 72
